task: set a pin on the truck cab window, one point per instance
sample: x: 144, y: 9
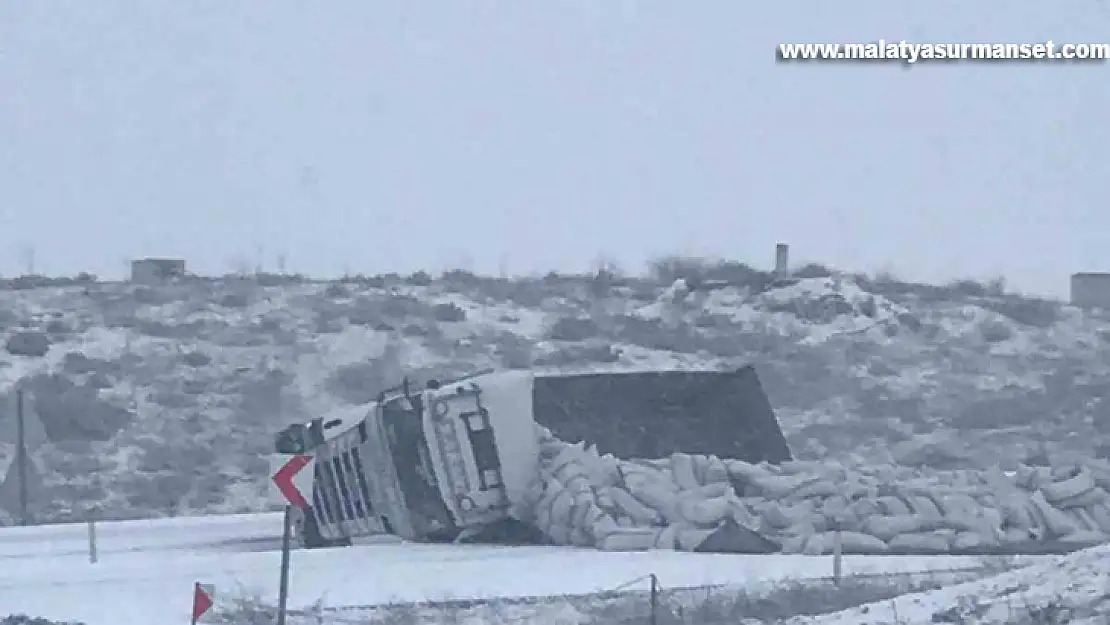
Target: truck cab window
x: 292, y: 440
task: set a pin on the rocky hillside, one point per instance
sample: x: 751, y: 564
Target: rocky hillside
x: 163, y: 400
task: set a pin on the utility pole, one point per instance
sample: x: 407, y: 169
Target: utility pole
x: 21, y: 456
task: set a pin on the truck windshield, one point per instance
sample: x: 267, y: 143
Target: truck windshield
x: 409, y: 449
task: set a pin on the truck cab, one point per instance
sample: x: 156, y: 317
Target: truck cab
x: 430, y: 464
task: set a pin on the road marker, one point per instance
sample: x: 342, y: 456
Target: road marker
x: 202, y: 600
x: 293, y: 478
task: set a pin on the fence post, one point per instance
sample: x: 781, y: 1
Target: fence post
x: 92, y: 540
x: 21, y: 455
x: 838, y: 551
x: 654, y: 598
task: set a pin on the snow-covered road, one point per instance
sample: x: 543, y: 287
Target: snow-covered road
x: 146, y: 569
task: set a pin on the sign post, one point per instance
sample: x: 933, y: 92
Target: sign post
x: 283, y: 588
x: 293, y: 478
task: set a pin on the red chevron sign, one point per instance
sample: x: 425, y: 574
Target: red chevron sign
x: 293, y: 478
x: 202, y: 600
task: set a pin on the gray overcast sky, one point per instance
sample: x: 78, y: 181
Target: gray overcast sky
x: 376, y: 136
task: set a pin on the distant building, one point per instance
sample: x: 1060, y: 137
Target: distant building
x: 155, y: 270
x: 1090, y: 290
x: 782, y: 261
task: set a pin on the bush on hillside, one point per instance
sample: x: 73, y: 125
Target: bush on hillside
x: 32, y: 344
x: 812, y: 270
x: 573, y: 329
x: 267, y: 279
x: 420, y: 278
x: 23, y: 619
x: 448, y: 313
x: 1030, y: 311
x: 698, y: 271
x: 34, y: 281
x: 75, y: 412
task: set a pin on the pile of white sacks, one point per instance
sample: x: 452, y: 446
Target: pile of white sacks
x: 587, y: 499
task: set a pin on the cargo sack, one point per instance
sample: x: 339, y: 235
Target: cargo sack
x: 818, y: 545
x: 562, y: 508
x: 1101, y: 514
x: 709, y: 491
x: 682, y: 471
x: 864, y: 509
x: 630, y: 539
x: 1082, y: 519
x: 886, y: 528
x: 571, y: 471
x: 926, y: 542
x: 744, y: 472
x: 781, y: 516
x: 834, y: 506
x: 969, y: 540
x: 1056, y: 522
x: 892, y: 506
x: 602, y: 526
x: 667, y: 538
x: 559, y: 534
x: 1015, y: 512
x: 1085, y: 499
x: 632, y: 508
x: 1100, y: 472
x: 802, y: 467
x: 956, y: 504
x: 701, y: 465
x: 704, y: 512
x: 792, y: 545
x: 821, y: 488
x: 741, y: 514
x: 780, y: 486
x: 923, y: 506
x: 824, y: 543
x: 657, y: 498
x: 716, y: 472
x: 860, y: 543
x: 1083, y: 539
x: 1071, y: 487
x: 566, y: 455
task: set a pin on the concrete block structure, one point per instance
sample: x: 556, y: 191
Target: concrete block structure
x: 156, y: 270
x: 782, y: 261
x: 1091, y: 290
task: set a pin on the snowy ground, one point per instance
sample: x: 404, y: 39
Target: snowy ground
x: 146, y: 570
x: 1072, y: 589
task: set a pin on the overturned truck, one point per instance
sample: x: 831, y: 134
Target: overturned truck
x: 690, y: 460
x: 483, y: 458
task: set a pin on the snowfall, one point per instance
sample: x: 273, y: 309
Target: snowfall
x: 180, y: 387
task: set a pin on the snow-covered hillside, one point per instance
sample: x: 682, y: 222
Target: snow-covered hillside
x: 163, y: 400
